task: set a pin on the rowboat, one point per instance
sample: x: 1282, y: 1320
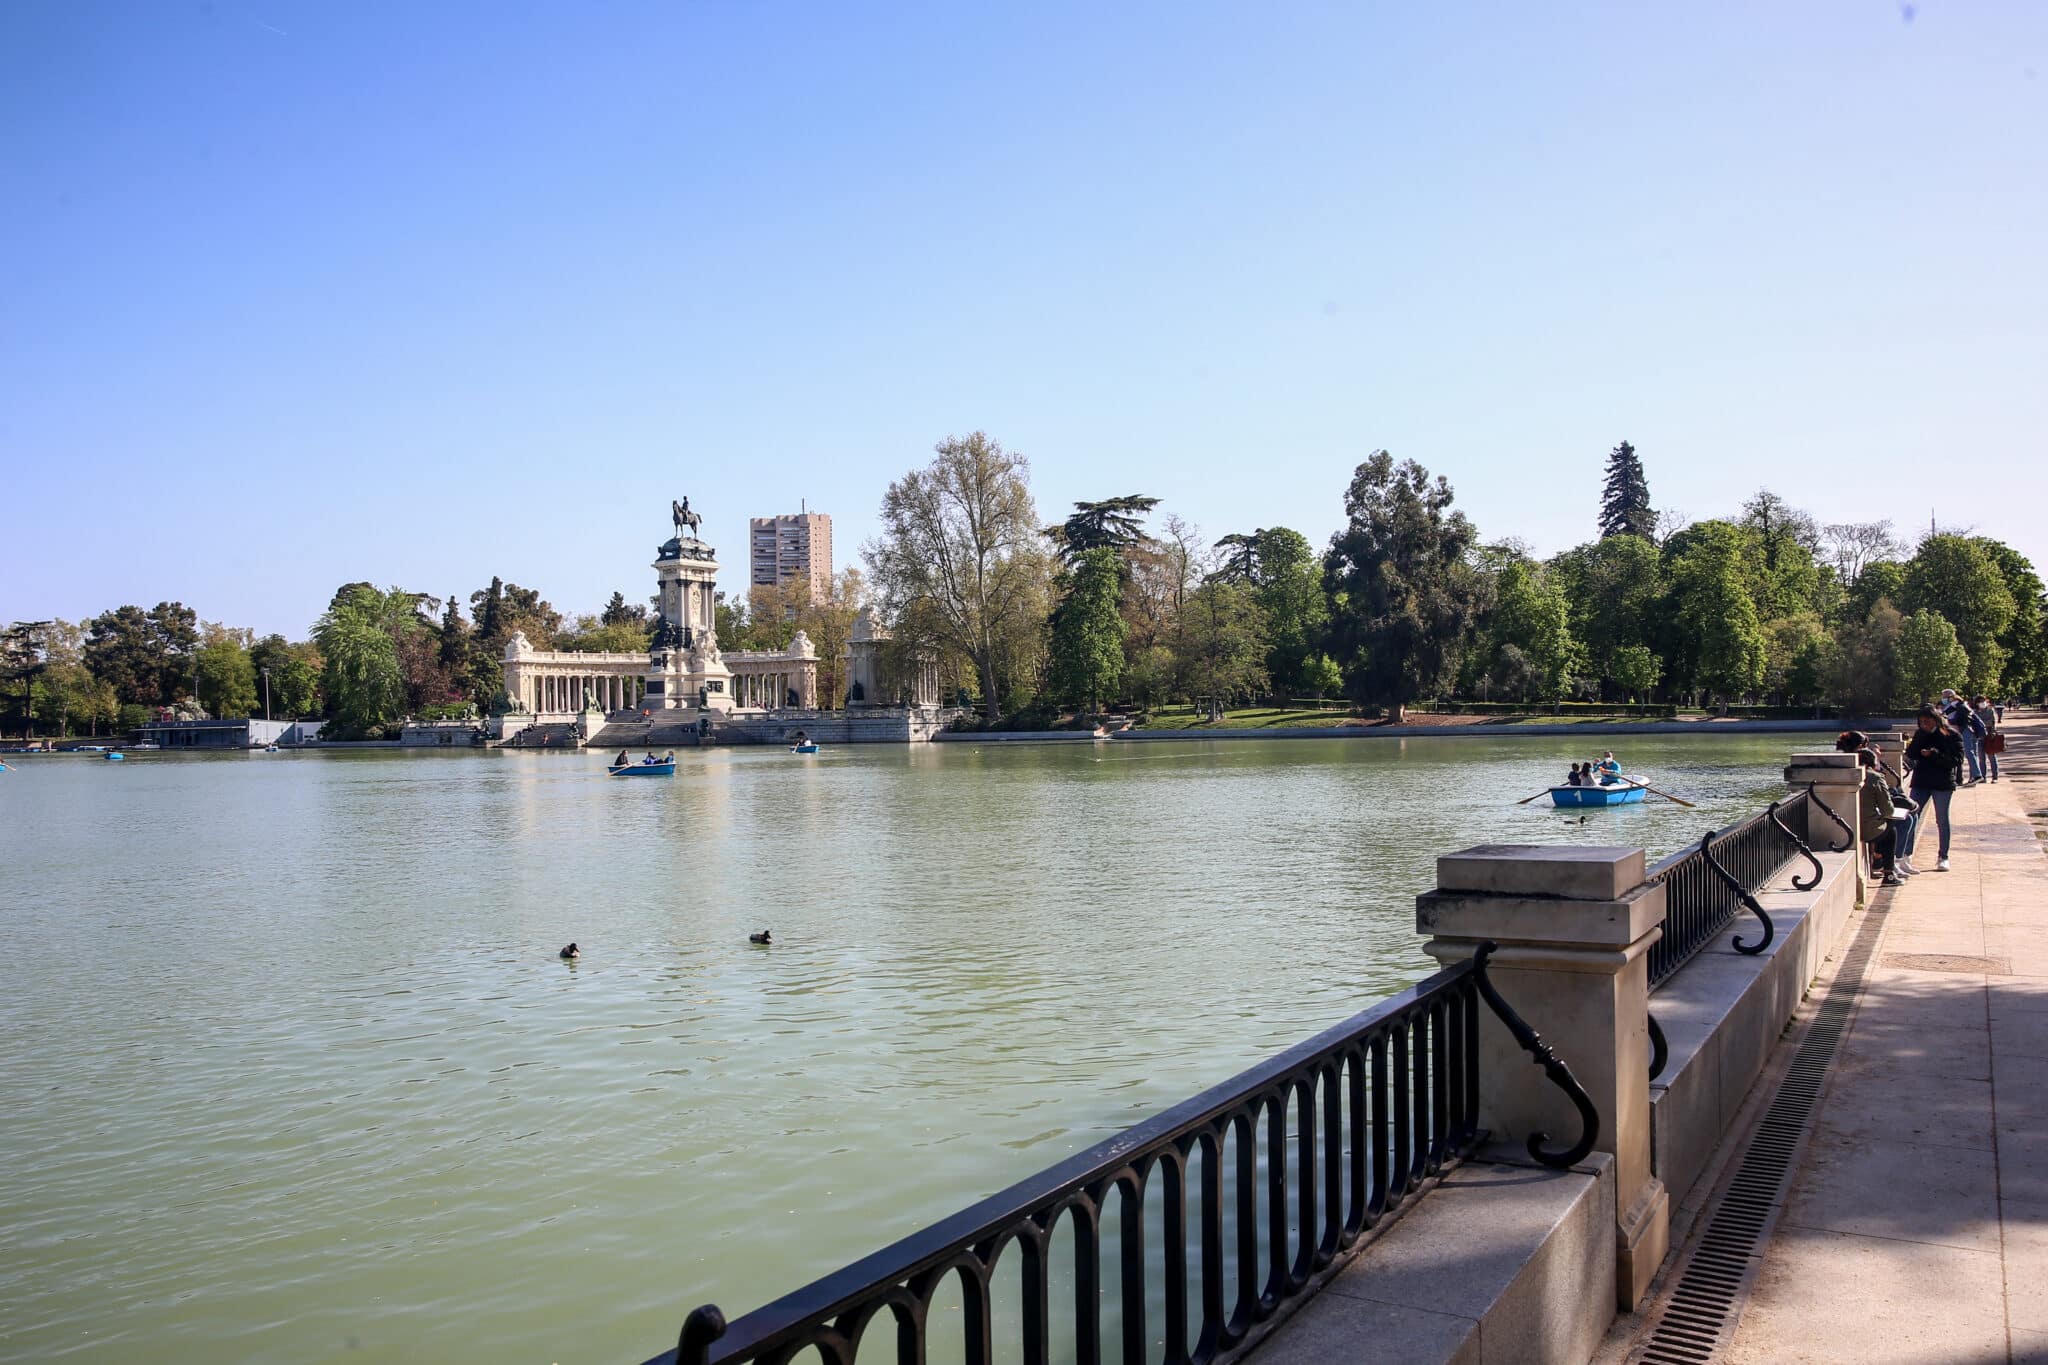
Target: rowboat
x: 807, y: 747
x: 644, y: 770
x: 1619, y: 794
x: 116, y: 756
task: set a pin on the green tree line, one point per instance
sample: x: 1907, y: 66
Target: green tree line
x: 1121, y: 605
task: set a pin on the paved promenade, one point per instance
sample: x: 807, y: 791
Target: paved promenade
x: 1916, y: 1228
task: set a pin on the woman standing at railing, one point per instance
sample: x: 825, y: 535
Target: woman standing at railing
x: 1932, y: 755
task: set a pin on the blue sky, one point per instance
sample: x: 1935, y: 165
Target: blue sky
x: 301, y: 294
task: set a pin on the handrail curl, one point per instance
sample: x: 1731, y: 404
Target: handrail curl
x: 1805, y: 851
x: 1748, y: 901
x: 1553, y: 1066
x: 1660, y: 1051
x: 1848, y: 835
x: 704, y: 1326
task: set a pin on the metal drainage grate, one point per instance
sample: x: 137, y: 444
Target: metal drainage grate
x: 1698, y: 1315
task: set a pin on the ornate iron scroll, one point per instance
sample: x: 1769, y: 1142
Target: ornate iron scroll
x: 1800, y: 844
x: 1848, y: 835
x: 1742, y: 893
x: 1660, y: 1051
x: 1553, y: 1066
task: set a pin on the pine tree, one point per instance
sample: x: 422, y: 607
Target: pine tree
x: 1625, y: 501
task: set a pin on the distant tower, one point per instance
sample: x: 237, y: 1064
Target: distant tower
x: 791, y: 549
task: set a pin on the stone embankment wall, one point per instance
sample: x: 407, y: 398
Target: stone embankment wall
x: 1623, y: 727
x: 880, y: 725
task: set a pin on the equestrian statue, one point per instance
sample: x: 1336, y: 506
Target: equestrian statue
x: 685, y: 517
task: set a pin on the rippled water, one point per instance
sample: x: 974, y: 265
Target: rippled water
x: 292, y: 1072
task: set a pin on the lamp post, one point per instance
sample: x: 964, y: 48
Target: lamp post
x: 266, y: 687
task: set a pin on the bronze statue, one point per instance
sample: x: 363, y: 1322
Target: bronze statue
x: 685, y: 517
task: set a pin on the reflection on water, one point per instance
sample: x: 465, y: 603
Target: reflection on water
x: 293, y: 1072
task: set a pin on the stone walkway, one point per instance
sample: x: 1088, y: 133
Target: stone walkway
x: 1916, y: 1229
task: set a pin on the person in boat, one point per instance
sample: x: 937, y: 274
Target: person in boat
x: 625, y: 760
x: 1610, y: 769
x: 1577, y: 777
x: 651, y: 759
x: 669, y: 757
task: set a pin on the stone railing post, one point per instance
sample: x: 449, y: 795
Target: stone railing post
x: 1835, y: 778
x: 1574, y: 927
x: 1891, y: 747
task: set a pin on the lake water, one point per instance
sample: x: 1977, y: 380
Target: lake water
x: 292, y: 1071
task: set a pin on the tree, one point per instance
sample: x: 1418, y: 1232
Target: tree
x: 1625, y: 497
x: 1087, y: 652
x: 1289, y: 587
x: 294, y: 671
x: 120, y: 651
x: 454, y: 640
x: 1711, y: 610
x: 24, y: 660
x: 1929, y: 656
x: 173, y: 637
x: 1531, y: 617
x: 1635, y: 670
x: 2025, y: 641
x: 1223, y: 644
x: 1114, y: 524
x: 1958, y: 579
x: 1779, y: 556
x: 1852, y: 545
x: 961, y: 563
x: 1403, y: 598
x: 1881, y: 580
x: 1240, y: 558
x: 227, y: 678
x: 618, y: 613
x: 1792, y: 646
x: 592, y: 635
x: 358, y: 637
x: 1614, y: 587
x: 827, y: 618
x: 1863, y: 670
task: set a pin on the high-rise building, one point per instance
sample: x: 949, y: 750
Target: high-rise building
x: 791, y: 549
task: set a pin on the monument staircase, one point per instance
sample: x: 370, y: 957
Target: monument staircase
x: 554, y: 735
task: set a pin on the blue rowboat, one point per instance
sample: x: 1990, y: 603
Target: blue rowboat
x: 803, y: 748
x: 1619, y: 794
x: 116, y: 757
x: 644, y: 770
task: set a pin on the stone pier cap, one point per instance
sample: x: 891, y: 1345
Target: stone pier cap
x: 1519, y: 893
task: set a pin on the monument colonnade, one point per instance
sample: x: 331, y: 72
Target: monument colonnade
x: 555, y: 682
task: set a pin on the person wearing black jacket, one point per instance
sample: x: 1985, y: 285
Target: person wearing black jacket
x: 1933, y: 753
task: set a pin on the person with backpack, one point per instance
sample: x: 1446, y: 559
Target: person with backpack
x: 1993, y: 743
x: 1968, y: 729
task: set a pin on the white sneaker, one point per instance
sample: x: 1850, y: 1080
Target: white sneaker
x: 1941, y: 865
x: 1907, y: 868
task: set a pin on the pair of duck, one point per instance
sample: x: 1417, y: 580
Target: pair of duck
x: 571, y: 952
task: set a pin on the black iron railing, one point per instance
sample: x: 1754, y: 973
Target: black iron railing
x: 1709, y: 883
x: 1380, y: 1104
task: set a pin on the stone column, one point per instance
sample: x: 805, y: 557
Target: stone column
x: 1836, y: 779
x: 1574, y: 927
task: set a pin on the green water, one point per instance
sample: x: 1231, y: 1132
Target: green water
x: 293, y: 1073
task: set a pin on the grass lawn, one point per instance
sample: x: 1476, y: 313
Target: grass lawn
x: 1273, y: 718
x: 1247, y: 718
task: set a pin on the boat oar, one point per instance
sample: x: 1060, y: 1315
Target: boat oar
x: 1527, y: 799
x: 1666, y: 795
